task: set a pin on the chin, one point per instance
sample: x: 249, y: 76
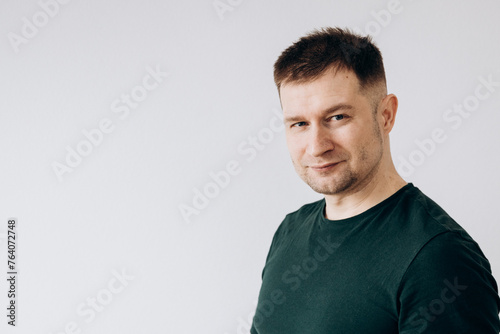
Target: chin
x: 333, y: 186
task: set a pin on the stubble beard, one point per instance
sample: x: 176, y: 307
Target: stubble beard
x: 331, y: 183
x: 345, y: 179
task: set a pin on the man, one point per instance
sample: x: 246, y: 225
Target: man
x: 375, y: 255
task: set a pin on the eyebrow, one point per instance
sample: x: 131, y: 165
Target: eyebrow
x: 341, y: 106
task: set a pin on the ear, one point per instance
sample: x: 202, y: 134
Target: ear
x: 387, y: 110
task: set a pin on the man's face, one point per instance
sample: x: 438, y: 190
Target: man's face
x: 333, y: 135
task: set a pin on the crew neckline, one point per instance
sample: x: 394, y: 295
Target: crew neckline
x: 365, y: 213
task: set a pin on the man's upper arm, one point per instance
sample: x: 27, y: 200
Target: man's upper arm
x: 448, y: 288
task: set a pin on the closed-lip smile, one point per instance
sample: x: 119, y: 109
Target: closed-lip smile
x: 323, y: 166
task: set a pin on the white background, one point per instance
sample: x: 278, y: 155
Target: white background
x: 119, y: 209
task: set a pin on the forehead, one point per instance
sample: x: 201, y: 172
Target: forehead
x: 330, y: 88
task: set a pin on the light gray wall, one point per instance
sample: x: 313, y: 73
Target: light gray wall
x: 119, y: 208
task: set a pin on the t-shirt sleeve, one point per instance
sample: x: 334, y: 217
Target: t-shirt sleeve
x: 449, y: 288
x: 276, y: 237
x: 274, y: 243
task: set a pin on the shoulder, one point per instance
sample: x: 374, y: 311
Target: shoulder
x: 424, y: 225
x: 449, y: 286
x: 422, y: 216
x: 306, y: 211
x: 451, y: 250
x: 304, y: 214
x: 295, y: 222
x: 448, y: 275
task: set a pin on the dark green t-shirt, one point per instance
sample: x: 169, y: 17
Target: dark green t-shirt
x: 403, y: 266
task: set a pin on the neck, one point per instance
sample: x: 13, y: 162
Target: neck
x: 361, y: 198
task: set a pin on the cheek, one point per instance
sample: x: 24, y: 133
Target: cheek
x: 347, y: 140
x: 357, y: 145
x: 369, y: 148
x: 294, y: 145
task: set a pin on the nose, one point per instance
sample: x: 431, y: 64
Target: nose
x: 319, y: 141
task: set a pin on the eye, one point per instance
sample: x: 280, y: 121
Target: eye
x: 299, y: 124
x: 338, y: 117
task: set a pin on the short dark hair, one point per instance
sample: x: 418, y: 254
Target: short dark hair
x: 327, y: 48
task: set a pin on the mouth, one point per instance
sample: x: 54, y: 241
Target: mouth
x: 324, y: 167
